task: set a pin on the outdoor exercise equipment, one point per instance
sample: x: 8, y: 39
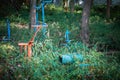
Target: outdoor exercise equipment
x: 37, y: 8
x: 67, y: 40
x: 37, y: 22
x: 7, y: 38
x: 28, y: 46
x: 43, y: 3
x: 37, y: 27
x: 70, y: 58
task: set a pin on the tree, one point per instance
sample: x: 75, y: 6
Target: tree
x: 65, y: 5
x: 108, y: 9
x: 85, y: 22
x: 72, y: 5
x: 32, y: 13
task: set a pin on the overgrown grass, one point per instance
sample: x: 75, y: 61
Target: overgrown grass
x: 44, y: 63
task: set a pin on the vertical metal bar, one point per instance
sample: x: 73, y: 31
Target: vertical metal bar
x: 67, y: 36
x: 36, y: 19
x: 43, y: 19
x: 36, y: 16
x: 8, y: 29
x: 43, y: 12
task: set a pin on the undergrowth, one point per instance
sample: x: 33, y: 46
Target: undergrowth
x: 44, y: 63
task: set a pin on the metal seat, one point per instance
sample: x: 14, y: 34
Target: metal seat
x: 28, y: 46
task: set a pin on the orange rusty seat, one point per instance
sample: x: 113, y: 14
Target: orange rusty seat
x: 28, y: 46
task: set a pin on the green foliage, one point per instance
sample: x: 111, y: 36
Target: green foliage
x: 44, y: 63
x: 104, y: 32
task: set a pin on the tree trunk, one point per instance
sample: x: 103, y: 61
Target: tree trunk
x: 66, y: 5
x: 108, y: 9
x: 32, y: 13
x: 85, y: 22
x: 72, y: 5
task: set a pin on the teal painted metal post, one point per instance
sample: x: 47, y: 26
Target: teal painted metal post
x: 43, y: 16
x: 8, y: 29
x: 36, y: 16
x: 37, y: 8
x: 67, y: 36
x: 37, y: 22
x: 43, y: 19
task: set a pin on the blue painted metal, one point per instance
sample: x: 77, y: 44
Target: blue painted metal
x: 67, y: 36
x: 43, y: 16
x: 36, y: 16
x: 70, y: 58
x: 8, y: 29
x: 37, y: 22
x: 43, y: 19
x: 37, y: 8
x: 43, y: 2
x: 44, y: 25
x: 84, y: 65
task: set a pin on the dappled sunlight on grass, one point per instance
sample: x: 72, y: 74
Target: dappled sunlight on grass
x: 7, y: 46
